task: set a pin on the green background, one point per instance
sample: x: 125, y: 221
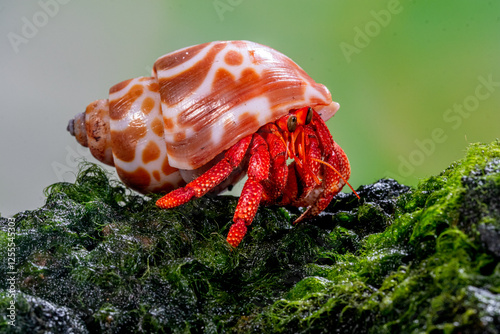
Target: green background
x: 410, y: 66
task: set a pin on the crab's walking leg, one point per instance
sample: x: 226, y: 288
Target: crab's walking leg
x: 311, y: 167
x: 258, y: 171
x: 274, y: 187
x: 332, y: 182
x: 215, y: 175
x: 292, y: 189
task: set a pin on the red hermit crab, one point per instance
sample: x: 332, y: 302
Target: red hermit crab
x: 211, y: 113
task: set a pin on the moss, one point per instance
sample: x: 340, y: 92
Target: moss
x: 98, y: 258
x: 427, y: 271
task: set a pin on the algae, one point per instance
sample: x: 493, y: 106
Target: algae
x: 99, y: 258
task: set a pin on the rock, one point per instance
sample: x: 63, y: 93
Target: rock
x: 99, y: 258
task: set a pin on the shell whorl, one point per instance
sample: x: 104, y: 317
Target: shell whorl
x: 199, y: 101
x: 216, y: 93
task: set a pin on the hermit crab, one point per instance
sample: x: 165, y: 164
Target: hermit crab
x: 211, y: 113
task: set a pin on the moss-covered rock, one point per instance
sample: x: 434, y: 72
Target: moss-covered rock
x: 97, y: 258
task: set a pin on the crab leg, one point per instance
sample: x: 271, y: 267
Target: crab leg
x: 310, y: 169
x: 292, y: 189
x: 258, y: 171
x: 332, y: 185
x: 278, y: 170
x: 335, y: 156
x: 332, y: 182
x: 215, y: 175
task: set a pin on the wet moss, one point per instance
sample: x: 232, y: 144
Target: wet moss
x: 98, y: 258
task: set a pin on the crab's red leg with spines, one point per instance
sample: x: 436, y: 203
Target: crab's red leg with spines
x: 203, y: 184
x: 311, y: 166
x: 291, y: 191
x: 258, y: 171
x: 274, y: 186
x: 335, y: 156
x: 332, y: 182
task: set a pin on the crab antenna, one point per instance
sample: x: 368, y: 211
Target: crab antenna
x: 336, y: 171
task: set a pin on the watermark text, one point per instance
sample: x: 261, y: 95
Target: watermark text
x: 30, y: 27
x: 223, y: 6
x: 454, y: 116
x: 11, y: 277
x: 363, y: 36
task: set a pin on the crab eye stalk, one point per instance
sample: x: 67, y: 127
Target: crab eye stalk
x: 309, y: 116
x: 291, y: 123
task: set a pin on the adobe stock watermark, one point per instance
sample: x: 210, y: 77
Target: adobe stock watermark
x: 71, y: 162
x: 454, y: 116
x: 11, y: 274
x: 363, y: 37
x: 30, y: 26
x: 222, y: 6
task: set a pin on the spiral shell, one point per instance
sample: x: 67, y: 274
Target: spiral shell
x: 199, y: 101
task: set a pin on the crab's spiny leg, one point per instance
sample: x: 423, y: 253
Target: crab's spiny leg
x: 313, y: 151
x: 291, y: 190
x: 308, y: 168
x: 258, y: 171
x: 332, y: 182
x: 278, y: 170
x: 215, y: 175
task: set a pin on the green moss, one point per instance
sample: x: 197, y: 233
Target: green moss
x: 98, y: 258
x: 426, y: 272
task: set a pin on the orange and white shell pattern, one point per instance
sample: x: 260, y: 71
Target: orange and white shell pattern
x: 199, y: 101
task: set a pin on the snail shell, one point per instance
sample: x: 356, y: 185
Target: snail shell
x: 199, y: 101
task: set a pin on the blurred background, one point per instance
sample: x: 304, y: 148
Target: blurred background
x: 417, y: 80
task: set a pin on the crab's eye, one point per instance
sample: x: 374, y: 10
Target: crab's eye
x: 309, y: 116
x: 291, y: 123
